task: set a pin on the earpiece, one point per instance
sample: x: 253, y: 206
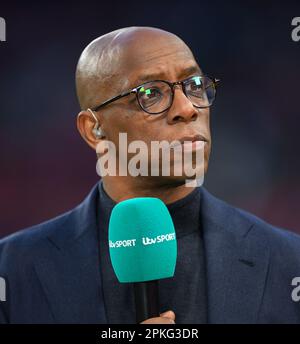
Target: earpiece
x: 97, y: 131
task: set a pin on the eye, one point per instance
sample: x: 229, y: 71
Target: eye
x: 149, y: 96
x: 194, y: 86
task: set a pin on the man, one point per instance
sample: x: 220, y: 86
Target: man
x: 231, y: 268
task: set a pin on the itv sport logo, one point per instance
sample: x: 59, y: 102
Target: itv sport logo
x: 145, y: 241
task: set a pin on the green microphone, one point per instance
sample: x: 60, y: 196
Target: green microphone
x: 143, y: 249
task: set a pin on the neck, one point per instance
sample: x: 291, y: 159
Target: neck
x: 122, y: 188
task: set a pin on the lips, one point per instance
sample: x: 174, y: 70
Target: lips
x: 194, y: 138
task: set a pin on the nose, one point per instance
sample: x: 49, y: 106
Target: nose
x: 182, y: 109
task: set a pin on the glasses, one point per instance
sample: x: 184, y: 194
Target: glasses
x: 155, y: 97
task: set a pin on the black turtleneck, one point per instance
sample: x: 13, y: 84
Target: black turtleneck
x: 185, y: 292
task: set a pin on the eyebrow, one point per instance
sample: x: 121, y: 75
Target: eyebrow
x: 158, y: 76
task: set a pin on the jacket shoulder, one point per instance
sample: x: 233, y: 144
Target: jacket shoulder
x: 280, y: 239
x: 30, y: 243
x: 27, y: 238
x: 274, y: 233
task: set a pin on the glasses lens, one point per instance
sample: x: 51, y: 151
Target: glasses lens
x: 155, y: 96
x: 200, y: 90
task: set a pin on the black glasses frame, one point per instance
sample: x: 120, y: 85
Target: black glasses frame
x: 136, y: 89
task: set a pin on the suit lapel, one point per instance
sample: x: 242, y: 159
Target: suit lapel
x: 237, y: 257
x: 69, y: 270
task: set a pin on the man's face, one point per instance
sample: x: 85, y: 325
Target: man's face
x: 147, y: 57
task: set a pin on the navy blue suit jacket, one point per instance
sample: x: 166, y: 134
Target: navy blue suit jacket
x: 53, y: 275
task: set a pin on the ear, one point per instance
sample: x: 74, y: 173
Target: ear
x: 85, y: 125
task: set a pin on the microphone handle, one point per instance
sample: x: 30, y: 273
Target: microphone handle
x: 146, y: 300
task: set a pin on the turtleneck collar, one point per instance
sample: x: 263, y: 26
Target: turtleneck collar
x: 185, y: 212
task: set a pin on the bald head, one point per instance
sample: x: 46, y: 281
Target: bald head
x: 105, y: 64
